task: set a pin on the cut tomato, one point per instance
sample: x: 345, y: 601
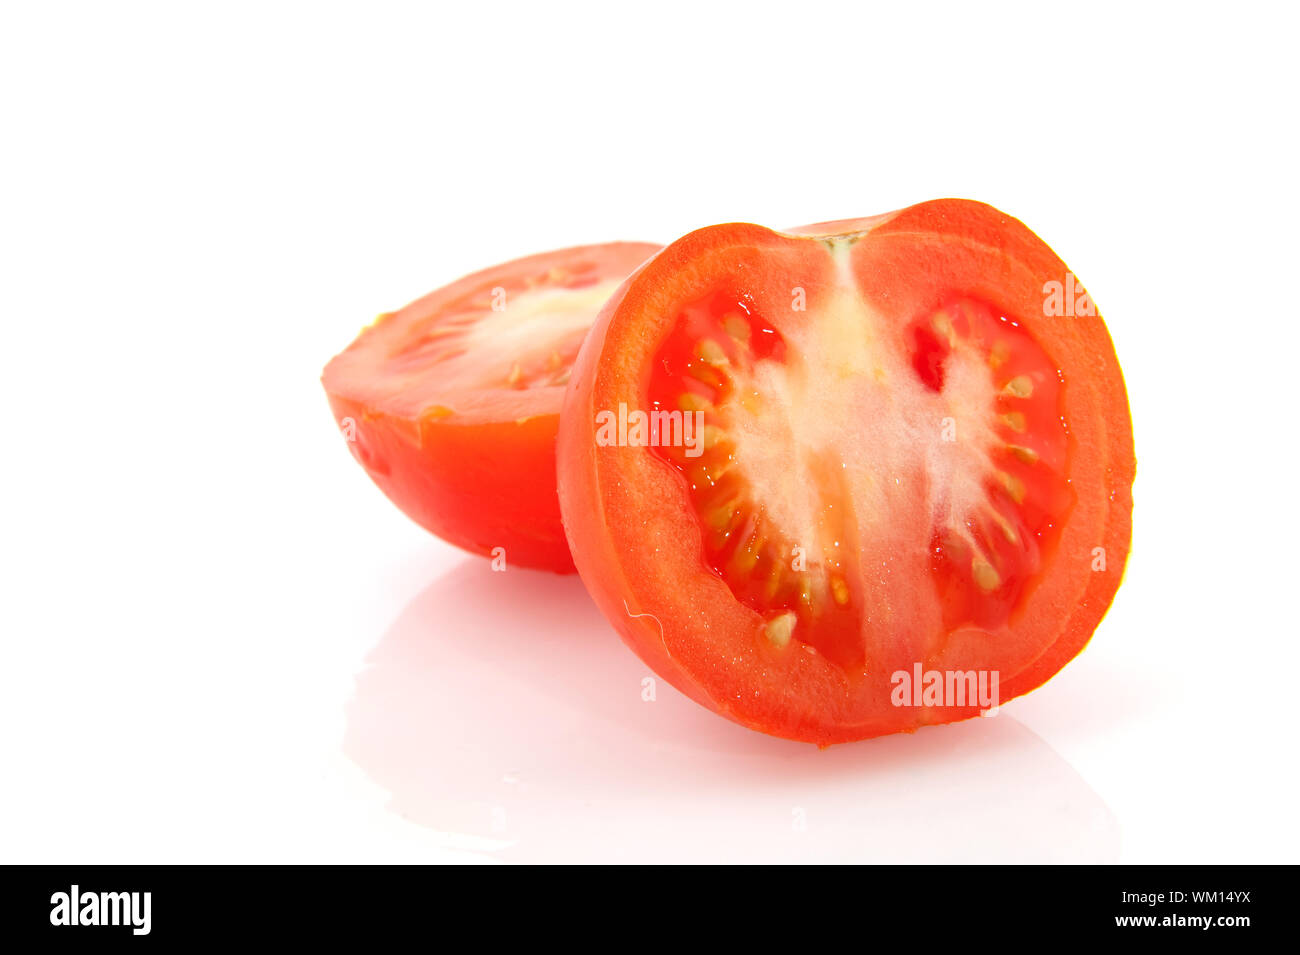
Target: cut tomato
x: 452, y: 403
x: 861, y: 470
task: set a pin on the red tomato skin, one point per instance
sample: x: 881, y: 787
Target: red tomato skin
x: 499, y: 494
x: 597, y: 504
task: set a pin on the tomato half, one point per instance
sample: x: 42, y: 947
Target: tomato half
x: 902, y: 458
x: 452, y: 403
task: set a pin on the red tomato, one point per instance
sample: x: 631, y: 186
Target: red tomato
x: 452, y: 403
x: 906, y: 473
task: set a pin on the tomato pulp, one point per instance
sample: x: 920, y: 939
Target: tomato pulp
x: 452, y: 403
x: 860, y: 454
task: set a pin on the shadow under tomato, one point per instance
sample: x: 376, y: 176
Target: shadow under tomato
x: 503, y: 708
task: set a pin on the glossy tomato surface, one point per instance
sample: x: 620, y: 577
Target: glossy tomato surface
x: 851, y: 479
x: 452, y: 403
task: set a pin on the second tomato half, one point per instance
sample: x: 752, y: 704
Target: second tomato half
x: 452, y: 403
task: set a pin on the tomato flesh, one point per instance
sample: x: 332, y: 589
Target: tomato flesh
x: 985, y: 557
x: 900, y: 462
x: 451, y: 404
x: 801, y: 576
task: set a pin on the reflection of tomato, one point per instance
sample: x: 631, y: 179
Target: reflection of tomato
x: 452, y: 404
x: 903, y: 460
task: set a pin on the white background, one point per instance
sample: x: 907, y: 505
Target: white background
x: 221, y: 643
